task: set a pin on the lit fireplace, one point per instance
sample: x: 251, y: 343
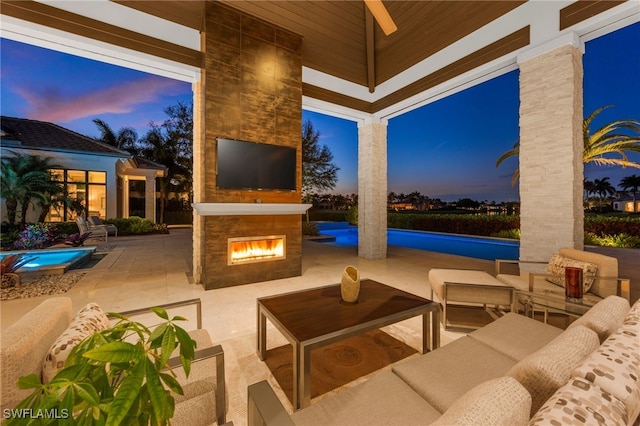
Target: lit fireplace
x: 256, y: 249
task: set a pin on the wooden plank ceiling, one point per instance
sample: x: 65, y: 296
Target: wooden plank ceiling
x: 337, y: 39
x: 334, y: 32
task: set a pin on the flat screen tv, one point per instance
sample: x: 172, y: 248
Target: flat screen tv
x: 255, y: 166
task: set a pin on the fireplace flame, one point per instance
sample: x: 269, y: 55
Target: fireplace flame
x: 256, y: 250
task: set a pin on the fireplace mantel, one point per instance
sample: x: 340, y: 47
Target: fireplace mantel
x: 247, y: 209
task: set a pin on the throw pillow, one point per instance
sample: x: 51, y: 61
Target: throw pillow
x: 557, y: 265
x: 580, y: 402
x: 615, y: 366
x: 501, y: 401
x: 544, y: 371
x: 89, y: 320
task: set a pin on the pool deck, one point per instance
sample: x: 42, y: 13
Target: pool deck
x: 150, y: 270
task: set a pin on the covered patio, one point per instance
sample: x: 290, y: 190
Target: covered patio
x: 255, y: 65
x: 156, y: 269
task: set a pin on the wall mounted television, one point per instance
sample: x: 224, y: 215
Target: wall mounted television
x: 255, y: 166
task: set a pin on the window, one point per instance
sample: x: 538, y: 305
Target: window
x: 86, y: 190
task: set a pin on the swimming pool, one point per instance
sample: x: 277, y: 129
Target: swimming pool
x: 52, y: 261
x: 462, y: 245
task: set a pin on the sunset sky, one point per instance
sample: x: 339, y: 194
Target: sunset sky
x: 444, y: 150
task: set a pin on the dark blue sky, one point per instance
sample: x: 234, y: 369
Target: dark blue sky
x: 444, y: 150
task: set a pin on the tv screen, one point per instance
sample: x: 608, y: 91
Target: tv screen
x: 257, y: 166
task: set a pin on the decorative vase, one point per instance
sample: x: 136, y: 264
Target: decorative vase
x: 350, y: 286
x: 573, y: 284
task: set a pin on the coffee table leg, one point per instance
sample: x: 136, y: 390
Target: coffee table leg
x: 301, y: 376
x: 262, y: 334
x: 435, y: 328
x: 426, y: 333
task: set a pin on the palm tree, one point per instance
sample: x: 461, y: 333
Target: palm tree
x: 608, y: 139
x: 159, y: 147
x: 603, y: 187
x: 589, y: 188
x: 25, y: 178
x: 126, y: 138
x: 631, y: 183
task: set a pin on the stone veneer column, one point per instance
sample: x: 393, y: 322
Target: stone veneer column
x: 551, y: 150
x: 372, y: 190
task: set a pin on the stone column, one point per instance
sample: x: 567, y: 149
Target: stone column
x: 150, y: 196
x: 372, y: 190
x: 551, y: 150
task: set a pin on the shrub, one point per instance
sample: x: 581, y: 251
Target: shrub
x: 607, y: 225
x: 137, y: 225
x: 510, y: 233
x: 618, y: 240
x: 352, y: 216
x: 327, y: 216
x: 178, y: 217
x: 310, y: 228
x: 37, y: 236
x: 453, y: 223
x: 66, y: 228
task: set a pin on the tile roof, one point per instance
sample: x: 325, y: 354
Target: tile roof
x: 143, y: 163
x: 26, y: 133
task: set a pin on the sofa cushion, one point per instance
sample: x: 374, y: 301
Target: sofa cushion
x: 89, y: 320
x: 501, y: 401
x: 197, y: 406
x: 444, y: 375
x: 556, y: 270
x: 25, y: 343
x: 387, y: 401
x: 516, y: 336
x: 615, y: 366
x: 605, y: 316
x: 580, y: 402
x: 546, y: 370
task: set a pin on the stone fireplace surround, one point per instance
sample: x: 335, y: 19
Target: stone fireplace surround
x: 247, y: 220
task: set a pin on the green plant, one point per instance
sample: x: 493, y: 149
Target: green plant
x: 352, y: 216
x: 117, y: 376
x: 617, y: 240
x: 310, y: 228
x: 509, y: 233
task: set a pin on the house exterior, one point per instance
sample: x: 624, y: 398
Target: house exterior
x: 625, y: 205
x: 106, y: 180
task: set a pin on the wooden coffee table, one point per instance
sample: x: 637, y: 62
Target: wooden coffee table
x: 313, y: 318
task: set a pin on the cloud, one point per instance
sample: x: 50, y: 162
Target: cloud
x: 54, y: 106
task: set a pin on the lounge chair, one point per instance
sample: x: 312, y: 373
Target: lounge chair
x: 96, y: 231
x: 95, y: 221
x: 604, y: 281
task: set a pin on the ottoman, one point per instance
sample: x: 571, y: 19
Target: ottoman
x: 469, y: 287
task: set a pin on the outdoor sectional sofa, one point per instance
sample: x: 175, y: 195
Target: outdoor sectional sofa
x: 514, y: 371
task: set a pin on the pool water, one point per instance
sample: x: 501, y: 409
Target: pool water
x: 53, y: 261
x: 462, y: 245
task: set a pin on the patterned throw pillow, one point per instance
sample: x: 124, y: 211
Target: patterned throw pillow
x: 89, y: 320
x: 581, y: 402
x: 615, y: 366
x: 557, y: 265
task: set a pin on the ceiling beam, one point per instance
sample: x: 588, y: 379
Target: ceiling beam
x: 371, y: 50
